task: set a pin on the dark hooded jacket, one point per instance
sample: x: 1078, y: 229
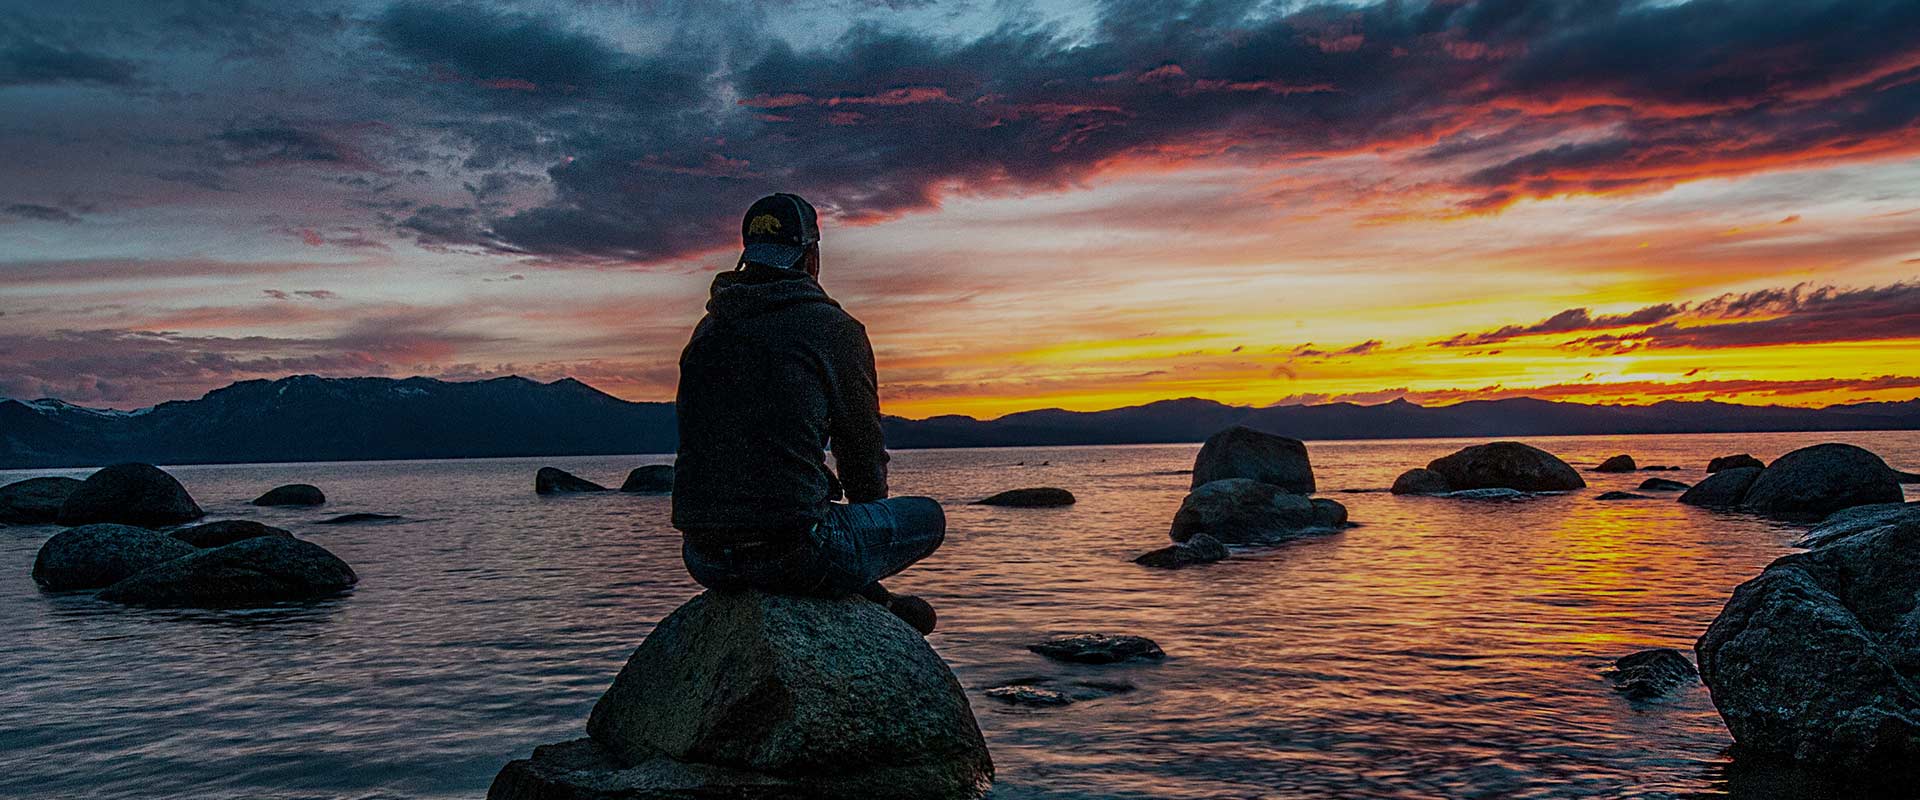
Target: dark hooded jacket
x: 774, y: 372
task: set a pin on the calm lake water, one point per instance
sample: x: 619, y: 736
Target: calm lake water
x: 1445, y: 648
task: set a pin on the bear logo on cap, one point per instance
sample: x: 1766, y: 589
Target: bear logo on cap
x: 765, y: 223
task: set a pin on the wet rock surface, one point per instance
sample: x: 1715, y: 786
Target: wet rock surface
x: 93, y: 556
x: 1243, y: 511
x: 1201, y: 549
x: 1242, y: 452
x: 1099, y: 648
x: 1034, y: 497
x: 292, y: 494
x: 552, y: 480
x: 1652, y: 673
x: 34, y: 501
x: 129, y: 494
x: 1507, y: 465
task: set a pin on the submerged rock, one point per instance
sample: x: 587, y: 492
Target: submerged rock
x: 129, y: 494
x: 1820, y: 480
x: 1489, y: 494
x: 1242, y: 511
x: 34, y: 501
x: 1201, y: 549
x: 551, y: 480
x: 1328, y: 513
x: 1662, y: 485
x: 1421, y: 480
x: 1507, y: 465
x: 1242, y: 452
x: 1816, y: 659
x: 1723, y: 489
x: 1099, y: 648
x: 1023, y: 695
x: 92, y: 556
x: 292, y: 494
x: 1036, y: 497
x: 249, y: 573
x: 650, y: 479
x: 753, y: 695
x: 225, y: 532
x: 1741, y: 461
x: 1651, y: 673
x: 358, y: 517
x: 1619, y: 463
x: 1621, y: 496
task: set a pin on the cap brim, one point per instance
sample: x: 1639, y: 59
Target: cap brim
x: 772, y: 254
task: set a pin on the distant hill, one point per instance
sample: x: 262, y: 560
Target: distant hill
x: 307, y: 418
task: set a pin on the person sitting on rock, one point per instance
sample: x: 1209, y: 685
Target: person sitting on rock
x: 774, y: 373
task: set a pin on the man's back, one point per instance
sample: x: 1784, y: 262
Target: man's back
x: 773, y: 372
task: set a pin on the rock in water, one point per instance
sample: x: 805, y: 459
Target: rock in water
x: 1816, y: 659
x: 650, y: 479
x: 1662, y: 485
x: 130, y: 494
x: 1723, y: 489
x: 1242, y: 511
x: 34, y: 501
x: 1621, y: 496
x: 1099, y: 648
x: 1507, y: 465
x: 1421, y: 480
x: 1619, y: 463
x: 1037, y: 497
x: 358, y: 517
x: 225, y: 532
x: 1847, y: 522
x: 550, y: 480
x: 751, y: 695
x: 249, y: 573
x: 1242, y: 452
x: 1724, y: 463
x: 1651, y: 673
x: 92, y: 556
x: 1023, y: 695
x: 1201, y: 549
x: 1328, y: 513
x: 1822, y: 479
x: 292, y: 494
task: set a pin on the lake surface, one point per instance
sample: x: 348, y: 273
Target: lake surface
x: 1446, y: 648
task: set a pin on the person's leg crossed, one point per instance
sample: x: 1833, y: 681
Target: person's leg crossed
x: 862, y: 543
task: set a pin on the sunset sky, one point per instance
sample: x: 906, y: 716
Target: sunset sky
x: 1077, y: 205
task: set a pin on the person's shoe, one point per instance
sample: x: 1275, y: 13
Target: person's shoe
x: 917, y: 612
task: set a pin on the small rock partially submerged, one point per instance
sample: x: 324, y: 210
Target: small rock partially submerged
x: 292, y: 494
x: 1621, y: 496
x: 1037, y: 691
x: 650, y: 479
x: 358, y: 517
x: 34, y: 501
x: 226, y: 532
x: 1723, y: 489
x: 1651, y: 673
x: 1741, y: 461
x: 1420, y: 480
x: 129, y: 494
x: 260, y: 571
x: 1507, y: 465
x: 92, y: 556
x: 1035, y: 497
x: 1201, y: 549
x: 1489, y: 494
x: 1023, y: 695
x: 1099, y: 648
x: 1242, y: 452
x: 1663, y: 485
x: 1619, y: 463
x: 552, y: 480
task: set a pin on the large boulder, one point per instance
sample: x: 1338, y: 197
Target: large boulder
x: 1243, y: 511
x: 650, y: 479
x: 130, y: 494
x: 92, y: 556
x: 292, y: 494
x: 34, y: 501
x: 553, y: 480
x: 752, y: 695
x: 249, y: 573
x: 1723, y: 489
x: 225, y: 532
x: 1242, y: 452
x: 1619, y: 463
x: 1507, y: 465
x: 1741, y: 461
x: 1421, y: 480
x: 1819, y: 480
x: 1818, y: 658
x: 1035, y: 497
x: 1849, y: 521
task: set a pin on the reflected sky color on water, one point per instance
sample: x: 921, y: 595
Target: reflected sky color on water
x: 1445, y: 648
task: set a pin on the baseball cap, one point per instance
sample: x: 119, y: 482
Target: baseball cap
x: 778, y: 229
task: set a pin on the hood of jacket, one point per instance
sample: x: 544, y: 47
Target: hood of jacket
x: 753, y: 291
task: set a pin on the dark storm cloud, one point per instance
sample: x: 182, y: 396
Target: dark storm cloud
x: 32, y: 63
x: 1568, y: 321
x: 277, y: 143
x: 1807, y: 315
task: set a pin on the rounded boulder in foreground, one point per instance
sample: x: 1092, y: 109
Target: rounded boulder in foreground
x: 810, y: 697
x: 1822, y: 479
x: 34, y: 501
x: 130, y: 494
x: 1242, y: 452
x: 253, y: 572
x: 1036, y: 497
x: 292, y: 494
x: 1507, y: 465
x: 92, y: 556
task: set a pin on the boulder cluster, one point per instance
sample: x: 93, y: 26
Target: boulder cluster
x: 1248, y: 488
x: 125, y: 539
x: 1810, y: 482
x: 1497, y: 465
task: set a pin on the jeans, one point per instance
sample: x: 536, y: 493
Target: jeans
x: 853, y: 548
